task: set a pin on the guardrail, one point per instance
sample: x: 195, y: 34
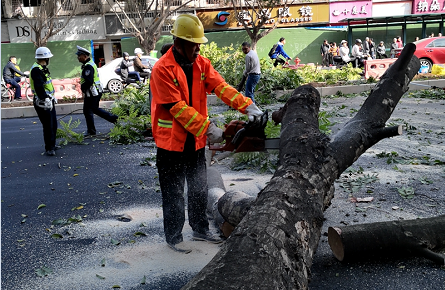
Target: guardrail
x: 68, y: 88
x: 377, y: 67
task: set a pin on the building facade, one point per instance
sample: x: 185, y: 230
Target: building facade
x: 97, y: 23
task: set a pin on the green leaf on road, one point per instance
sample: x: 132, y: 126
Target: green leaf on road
x: 102, y: 263
x: 406, y: 192
x: 43, y: 271
x: 41, y: 206
x: 115, y: 242
x: 144, y: 280
x: 100, y: 277
x: 116, y: 286
x: 139, y: 234
x: 56, y: 236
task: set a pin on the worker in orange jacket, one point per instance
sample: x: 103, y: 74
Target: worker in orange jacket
x: 180, y: 82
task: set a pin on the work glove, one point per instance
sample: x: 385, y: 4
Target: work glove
x: 46, y: 104
x: 240, y: 86
x: 253, y: 113
x: 214, y: 134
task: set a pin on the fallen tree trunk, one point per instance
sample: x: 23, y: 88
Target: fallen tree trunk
x: 273, y: 246
x: 415, y: 237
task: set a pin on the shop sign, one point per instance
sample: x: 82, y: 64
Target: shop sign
x: 356, y: 9
x: 78, y: 28
x: 428, y: 6
x: 293, y: 15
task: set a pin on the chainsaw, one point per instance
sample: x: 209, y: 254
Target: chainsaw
x: 241, y: 136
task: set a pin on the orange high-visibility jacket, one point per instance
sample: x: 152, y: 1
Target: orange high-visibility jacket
x: 169, y: 85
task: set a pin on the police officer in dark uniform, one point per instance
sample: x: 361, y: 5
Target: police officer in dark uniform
x: 44, y: 101
x: 92, y: 90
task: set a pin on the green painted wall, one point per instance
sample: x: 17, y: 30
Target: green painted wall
x: 63, y: 64
x: 301, y: 42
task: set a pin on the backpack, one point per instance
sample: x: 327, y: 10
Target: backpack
x: 272, y: 50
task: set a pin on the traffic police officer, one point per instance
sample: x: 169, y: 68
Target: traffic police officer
x: 43, y: 90
x: 92, y: 90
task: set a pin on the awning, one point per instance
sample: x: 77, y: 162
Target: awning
x: 411, y: 18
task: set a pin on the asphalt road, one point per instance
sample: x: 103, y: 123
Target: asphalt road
x: 98, y: 183
x: 73, y: 183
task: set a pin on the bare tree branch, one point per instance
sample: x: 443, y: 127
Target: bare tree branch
x: 43, y: 25
x: 147, y: 35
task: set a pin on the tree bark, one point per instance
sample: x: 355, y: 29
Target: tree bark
x: 415, y: 237
x: 273, y: 246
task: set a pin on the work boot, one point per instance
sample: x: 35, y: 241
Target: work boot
x: 51, y: 153
x: 179, y: 247
x: 207, y: 237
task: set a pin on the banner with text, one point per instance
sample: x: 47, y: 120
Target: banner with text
x: 343, y: 10
x: 78, y: 28
x: 293, y: 15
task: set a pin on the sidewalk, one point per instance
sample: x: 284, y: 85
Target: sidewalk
x: 63, y: 109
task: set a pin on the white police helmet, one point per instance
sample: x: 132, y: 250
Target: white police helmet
x: 43, y: 53
x: 81, y: 50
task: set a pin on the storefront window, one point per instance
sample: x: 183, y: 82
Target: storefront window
x: 117, y: 50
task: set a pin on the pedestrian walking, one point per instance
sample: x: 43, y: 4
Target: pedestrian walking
x: 11, y: 75
x: 252, y: 71
x: 44, y: 102
x: 180, y: 82
x: 92, y: 91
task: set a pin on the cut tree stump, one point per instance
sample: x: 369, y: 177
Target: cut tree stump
x: 274, y: 244
x: 417, y: 237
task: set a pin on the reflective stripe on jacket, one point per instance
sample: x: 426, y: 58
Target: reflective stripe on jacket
x: 169, y: 85
x: 48, y: 85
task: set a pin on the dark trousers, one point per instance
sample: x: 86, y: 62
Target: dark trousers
x: 133, y: 76
x: 91, y: 107
x: 279, y: 61
x: 381, y: 56
x: 49, y: 123
x: 15, y: 83
x: 174, y: 168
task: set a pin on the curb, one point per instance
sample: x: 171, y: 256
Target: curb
x: 62, y: 109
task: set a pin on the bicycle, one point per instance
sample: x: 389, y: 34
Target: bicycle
x: 8, y: 92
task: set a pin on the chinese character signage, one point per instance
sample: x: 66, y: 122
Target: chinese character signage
x: 428, y: 6
x: 343, y: 10
x: 293, y: 15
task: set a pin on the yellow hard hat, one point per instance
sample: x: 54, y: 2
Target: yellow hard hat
x: 189, y: 27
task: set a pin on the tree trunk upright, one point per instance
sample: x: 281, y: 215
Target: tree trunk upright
x: 274, y: 244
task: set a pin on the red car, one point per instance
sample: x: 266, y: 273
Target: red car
x: 429, y: 51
